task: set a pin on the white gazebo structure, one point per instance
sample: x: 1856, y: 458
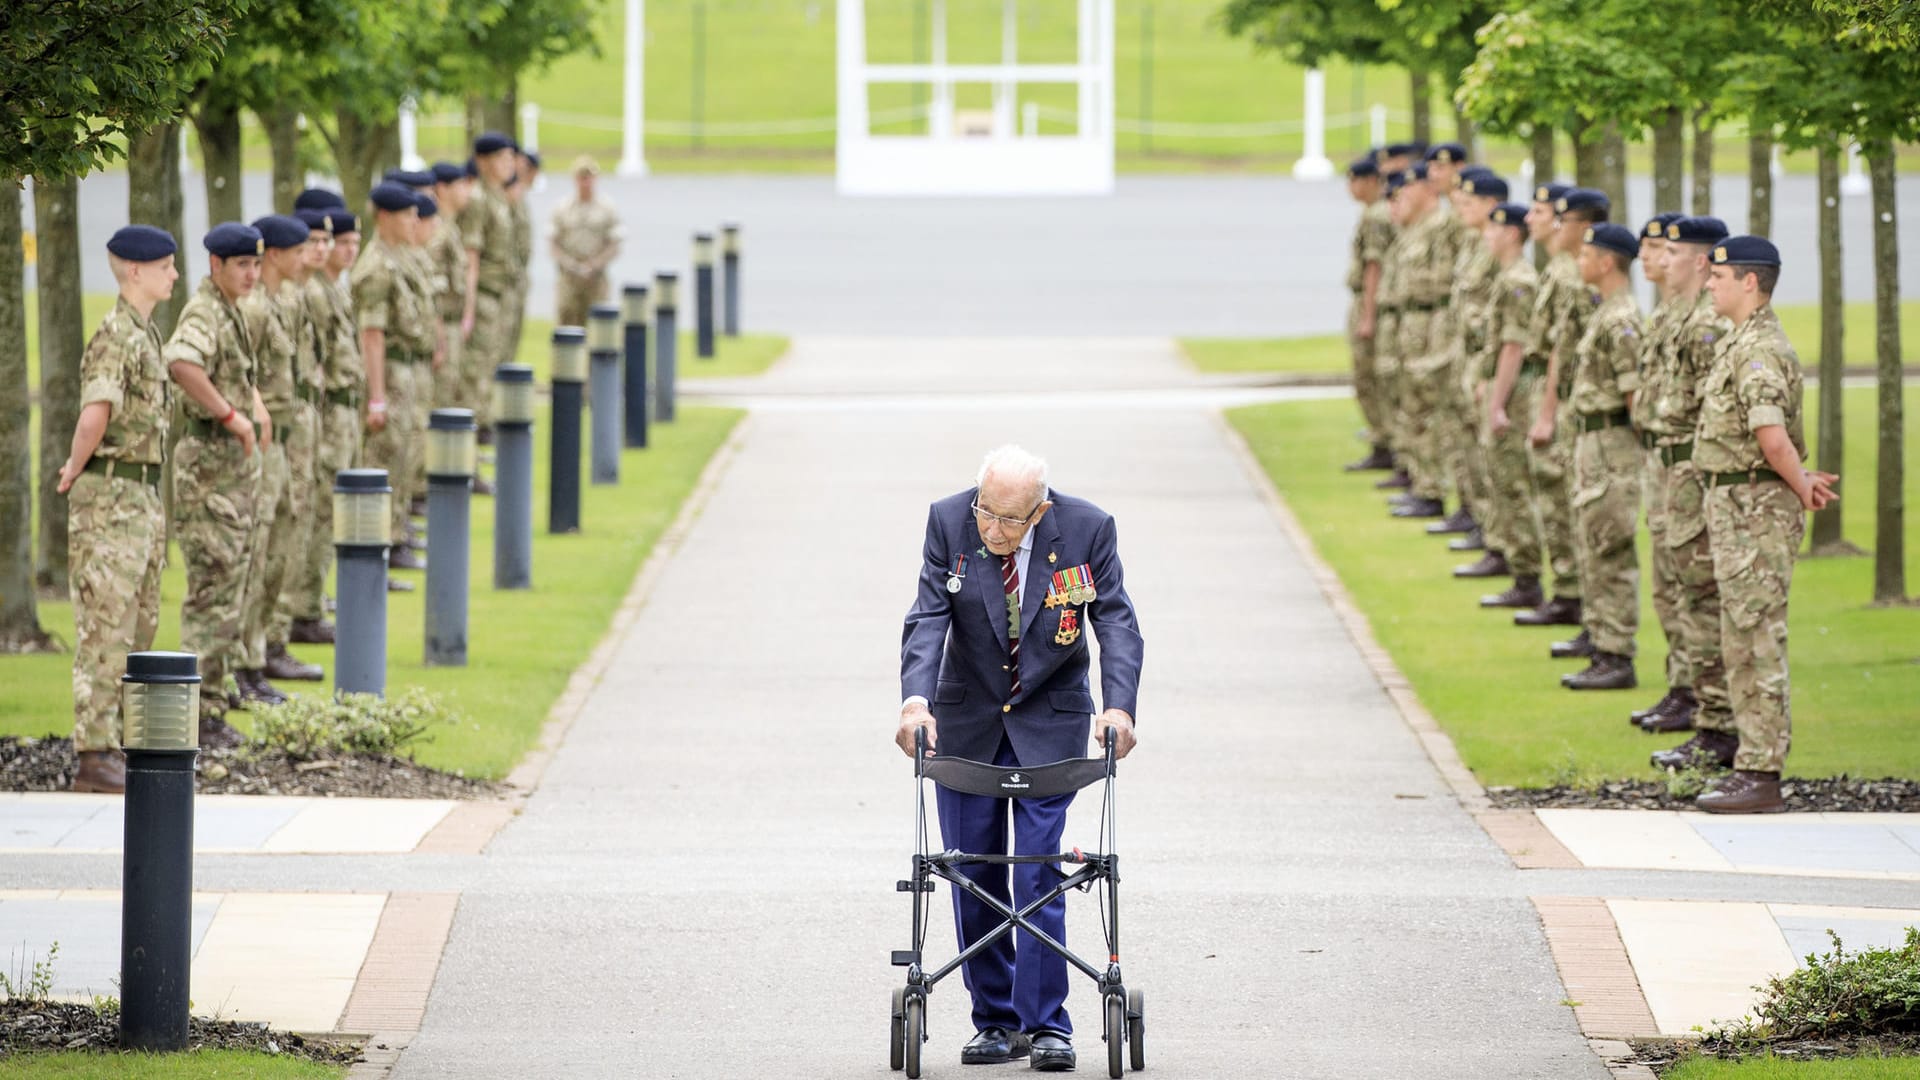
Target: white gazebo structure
x: 967, y: 158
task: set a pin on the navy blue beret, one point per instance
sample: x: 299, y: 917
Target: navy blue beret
x: 1489, y: 186
x: 1400, y: 149
x: 473, y: 168
x: 492, y: 142
x: 1746, y: 251
x: 142, y: 243
x: 318, y: 199
x: 428, y: 206
x: 413, y: 178
x: 392, y: 195
x: 446, y: 172
x: 1448, y: 152
x: 1583, y: 198
x: 1361, y: 168
x: 231, y: 238
x: 1657, y: 224
x: 1550, y: 192
x: 1617, y: 238
x: 533, y: 158
x: 316, y: 220
x: 1704, y: 229
x: 345, y: 221
x: 1465, y: 171
x: 281, y: 231
x: 1509, y: 213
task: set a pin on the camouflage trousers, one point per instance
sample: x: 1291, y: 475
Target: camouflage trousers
x: 269, y: 575
x: 1756, y: 530
x: 574, y: 296
x: 1509, y: 522
x: 1552, y: 467
x: 216, y: 490
x: 294, y: 522
x: 1466, y: 460
x: 484, y: 350
x: 339, y: 448
x: 398, y: 446
x: 1665, y: 588
x: 1386, y: 377
x: 1694, y: 641
x: 1366, y: 384
x: 1424, y: 377
x: 451, y: 379
x: 513, y: 317
x: 1607, y: 466
x: 116, y: 546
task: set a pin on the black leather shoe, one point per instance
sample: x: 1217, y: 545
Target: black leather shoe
x: 1609, y: 671
x: 1051, y: 1053
x: 1558, y: 611
x: 1457, y: 522
x: 1473, y: 541
x: 1580, y: 646
x: 1492, y: 564
x: 995, y: 1046
x: 1525, y: 593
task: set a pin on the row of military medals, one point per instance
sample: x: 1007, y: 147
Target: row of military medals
x: 1068, y: 590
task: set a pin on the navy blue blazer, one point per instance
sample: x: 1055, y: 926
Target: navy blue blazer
x: 954, y: 649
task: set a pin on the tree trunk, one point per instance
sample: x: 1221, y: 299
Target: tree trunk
x: 1613, y: 173
x: 1760, y: 182
x: 1670, y: 161
x: 1831, y: 454
x: 283, y: 142
x: 361, y: 151
x: 1422, y: 99
x: 154, y: 197
x: 1466, y: 134
x: 1541, y: 145
x: 1890, y: 510
x: 19, y: 612
x: 1589, y: 156
x: 217, y: 121
x: 487, y: 112
x: 1702, y: 162
x: 56, y: 224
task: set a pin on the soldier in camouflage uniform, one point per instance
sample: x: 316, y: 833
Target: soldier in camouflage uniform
x: 527, y: 171
x: 1511, y: 376
x: 1477, y: 192
x: 1371, y: 235
x: 1608, y: 462
x: 396, y: 345
x: 487, y: 230
x: 432, y: 283
x: 453, y: 191
x: 116, y: 524
x: 216, y: 468
x: 1660, y: 327
x: 585, y: 240
x: 1751, y: 448
x: 1559, y: 314
x: 1386, y: 338
x: 1425, y: 251
x: 1699, y: 698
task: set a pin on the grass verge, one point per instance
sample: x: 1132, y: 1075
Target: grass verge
x: 194, y: 1065
x: 1773, y: 1068
x: 733, y: 358
x: 1856, y: 668
x: 522, y: 645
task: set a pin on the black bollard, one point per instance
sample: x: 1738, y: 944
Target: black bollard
x: 666, y: 342
x: 703, y: 295
x: 730, y: 274
x: 362, y: 529
x: 636, y: 410
x: 160, y: 700
x: 513, y: 477
x: 451, y: 455
x: 604, y: 391
x: 563, y: 463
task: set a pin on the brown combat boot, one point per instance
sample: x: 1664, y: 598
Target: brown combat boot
x: 1745, y: 792
x: 1525, y: 593
x: 1380, y: 459
x: 1492, y: 564
x: 284, y: 665
x: 1580, y: 646
x: 482, y: 486
x: 255, y: 687
x: 1559, y: 611
x: 1676, y: 715
x: 1473, y: 541
x: 400, y: 557
x: 102, y: 772
x: 217, y: 734
x: 1641, y: 714
x: 1707, y: 749
x: 1399, y: 479
x: 1609, y: 671
x: 1460, y: 521
x: 311, y: 632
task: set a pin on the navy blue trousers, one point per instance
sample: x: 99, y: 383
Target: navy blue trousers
x: 1020, y: 986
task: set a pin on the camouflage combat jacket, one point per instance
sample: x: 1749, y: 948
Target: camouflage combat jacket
x: 212, y: 335
x: 1606, y: 362
x: 1692, y: 345
x: 1755, y: 382
x: 122, y: 368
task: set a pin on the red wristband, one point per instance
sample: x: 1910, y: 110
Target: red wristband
x: 230, y: 411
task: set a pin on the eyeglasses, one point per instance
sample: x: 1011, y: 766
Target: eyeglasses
x: 1007, y: 523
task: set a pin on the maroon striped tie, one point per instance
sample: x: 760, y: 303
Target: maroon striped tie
x: 1010, y: 581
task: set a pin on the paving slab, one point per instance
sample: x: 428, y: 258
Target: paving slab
x: 41, y: 822
x: 1880, y: 846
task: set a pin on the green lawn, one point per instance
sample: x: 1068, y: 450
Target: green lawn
x: 1327, y: 354
x: 741, y: 357
x: 523, y: 645
x: 1771, y: 1068
x: 1492, y: 686
x: 196, y: 1065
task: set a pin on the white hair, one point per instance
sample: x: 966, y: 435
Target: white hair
x: 1011, y: 462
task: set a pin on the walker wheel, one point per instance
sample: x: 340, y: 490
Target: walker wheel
x: 915, y: 1034
x: 1116, y: 1035
x: 897, y: 1034
x: 1137, y: 1029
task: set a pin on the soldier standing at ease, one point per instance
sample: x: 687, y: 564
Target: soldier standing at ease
x: 452, y: 190
x: 487, y: 230
x: 299, y: 594
x: 1513, y: 373
x: 1751, y: 448
x: 116, y: 524
x: 1662, y: 324
x: 585, y: 241
x: 1371, y: 235
x: 1607, y: 460
x: 1425, y: 251
x: 1386, y: 338
x: 396, y: 342
x: 303, y: 599
x: 527, y: 170
x: 1477, y: 191
x: 1690, y: 357
x: 216, y: 468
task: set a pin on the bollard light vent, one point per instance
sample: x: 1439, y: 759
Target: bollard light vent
x: 633, y: 304
x: 730, y: 239
x: 603, y: 328
x: 513, y: 394
x: 451, y: 447
x: 666, y: 290
x: 702, y: 249
x: 569, y: 354
x: 160, y: 700
x: 362, y: 508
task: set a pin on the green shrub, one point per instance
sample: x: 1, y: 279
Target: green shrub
x: 1872, y: 992
x: 310, y: 727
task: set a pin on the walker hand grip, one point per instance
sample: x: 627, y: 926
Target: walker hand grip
x: 919, y: 742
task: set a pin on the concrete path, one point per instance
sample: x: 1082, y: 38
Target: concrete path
x: 703, y: 884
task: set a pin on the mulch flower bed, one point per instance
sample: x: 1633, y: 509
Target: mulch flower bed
x: 1663, y: 1054
x: 1839, y: 793
x: 48, y: 765
x: 28, y: 1027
